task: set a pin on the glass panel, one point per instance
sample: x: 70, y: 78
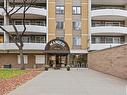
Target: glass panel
x: 77, y: 25
x: 77, y: 40
x: 39, y: 39
x: 18, y: 22
x: 59, y: 10
x: 76, y: 10
x: 26, y: 39
x: 59, y: 25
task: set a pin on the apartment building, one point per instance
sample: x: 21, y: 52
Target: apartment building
x: 57, y: 33
x: 108, y: 23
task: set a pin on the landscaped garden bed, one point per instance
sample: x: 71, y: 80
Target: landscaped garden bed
x: 12, y: 78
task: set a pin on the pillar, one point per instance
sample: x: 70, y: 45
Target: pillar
x: 6, y: 22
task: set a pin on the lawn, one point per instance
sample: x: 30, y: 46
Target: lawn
x: 10, y: 73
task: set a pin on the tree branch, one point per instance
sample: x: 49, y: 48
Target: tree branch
x: 16, y: 10
x: 32, y: 2
x: 12, y: 7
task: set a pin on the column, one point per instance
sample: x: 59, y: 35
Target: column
x: 6, y: 22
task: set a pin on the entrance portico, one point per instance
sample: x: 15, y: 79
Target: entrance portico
x: 57, y: 52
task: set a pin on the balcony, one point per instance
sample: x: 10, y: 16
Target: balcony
x: 29, y: 28
x: 102, y: 46
x: 118, y: 13
x: 33, y: 11
x: 109, y: 30
x: 27, y: 46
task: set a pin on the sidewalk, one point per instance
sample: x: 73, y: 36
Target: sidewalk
x: 74, y: 82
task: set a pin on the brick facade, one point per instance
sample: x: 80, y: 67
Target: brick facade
x: 111, y: 61
x: 12, y: 58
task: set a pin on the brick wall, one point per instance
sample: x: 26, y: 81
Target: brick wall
x: 111, y: 61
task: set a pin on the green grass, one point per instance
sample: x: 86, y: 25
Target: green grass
x: 10, y: 73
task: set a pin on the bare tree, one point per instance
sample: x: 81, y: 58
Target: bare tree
x: 10, y: 11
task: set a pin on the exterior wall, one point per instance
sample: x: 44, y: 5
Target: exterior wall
x: 84, y: 24
x: 51, y: 19
x: 68, y: 18
x: 68, y: 22
x: 111, y: 61
x: 12, y: 59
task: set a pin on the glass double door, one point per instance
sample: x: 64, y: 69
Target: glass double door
x: 57, y: 61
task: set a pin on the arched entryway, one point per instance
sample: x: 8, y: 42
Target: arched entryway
x: 57, y: 52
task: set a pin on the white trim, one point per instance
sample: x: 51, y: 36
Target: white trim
x: 89, y: 23
x: 47, y: 19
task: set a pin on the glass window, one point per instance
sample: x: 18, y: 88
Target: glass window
x: 26, y: 39
x: 25, y: 59
x: 39, y: 39
x: 59, y: 25
x: 116, y: 40
x: 109, y: 39
x: 18, y: 22
x: 27, y: 22
x: 61, y: 38
x: 77, y: 25
x: 40, y: 59
x: 1, y: 22
x: 77, y: 40
x: 59, y: 9
x: 76, y: 10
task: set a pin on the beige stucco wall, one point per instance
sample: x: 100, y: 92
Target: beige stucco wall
x: 51, y: 19
x: 84, y: 21
x: 111, y: 61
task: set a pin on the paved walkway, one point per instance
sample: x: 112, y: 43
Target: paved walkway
x: 75, y: 82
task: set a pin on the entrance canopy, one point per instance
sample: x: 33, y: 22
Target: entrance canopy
x: 57, y: 47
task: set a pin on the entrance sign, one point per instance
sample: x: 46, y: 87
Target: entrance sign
x: 57, y: 46
x: 59, y: 42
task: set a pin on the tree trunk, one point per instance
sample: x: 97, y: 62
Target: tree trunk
x: 22, y: 59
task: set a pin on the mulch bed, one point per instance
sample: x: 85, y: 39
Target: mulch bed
x: 7, y: 85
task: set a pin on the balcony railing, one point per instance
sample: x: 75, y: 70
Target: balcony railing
x: 116, y: 13
x: 102, y: 46
x: 109, y: 30
x: 29, y: 28
x: 27, y: 46
x: 109, y: 24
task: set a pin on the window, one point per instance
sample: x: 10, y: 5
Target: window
x: 25, y: 59
x: 39, y: 39
x: 27, y: 22
x: 40, y: 59
x: 77, y: 25
x: 26, y: 39
x: 109, y: 40
x: 18, y: 22
x: 32, y: 39
x: 116, y: 40
x: 77, y: 40
x: 59, y: 25
x: 59, y: 9
x: 1, y: 22
x: 76, y: 10
x: 61, y: 38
